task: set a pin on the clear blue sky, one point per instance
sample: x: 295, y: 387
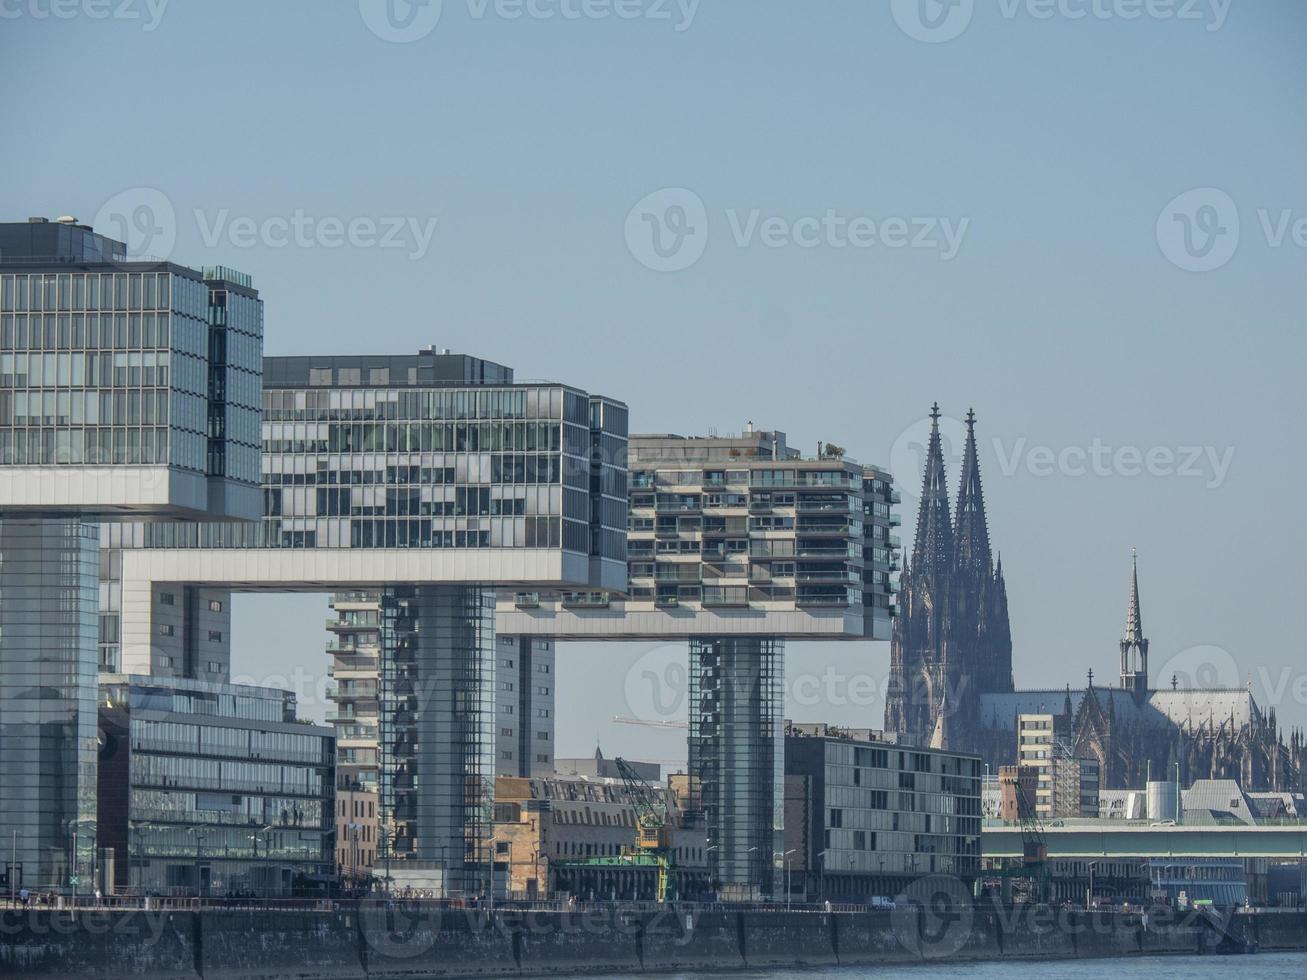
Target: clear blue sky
x: 1060, y: 318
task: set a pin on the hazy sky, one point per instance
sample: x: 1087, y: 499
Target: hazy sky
x: 866, y: 213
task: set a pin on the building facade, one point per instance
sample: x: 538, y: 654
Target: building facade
x: 1067, y: 786
x: 868, y: 815
x: 557, y: 835
x: 414, y: 487
x: 212, y: 789
x: 125, y: 392
x: 735, y: 544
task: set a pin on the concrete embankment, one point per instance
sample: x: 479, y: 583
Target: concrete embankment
x: 418, y: 941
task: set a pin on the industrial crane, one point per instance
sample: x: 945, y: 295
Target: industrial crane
x: 653, y: 839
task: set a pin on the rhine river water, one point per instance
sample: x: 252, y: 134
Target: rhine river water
x: 1263, y: 966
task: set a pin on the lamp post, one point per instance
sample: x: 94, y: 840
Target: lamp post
x: 785, y: 859
x: 1089, y: 898
x: 72, y: 866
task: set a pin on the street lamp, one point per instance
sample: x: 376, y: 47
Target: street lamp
x: 785, y: 857
x: 1089, y: 898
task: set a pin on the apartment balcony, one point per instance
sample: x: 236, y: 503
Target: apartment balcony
x: 351, y: 625
x: 895, y: 520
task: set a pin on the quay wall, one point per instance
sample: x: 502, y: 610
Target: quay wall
x: 415, y: 941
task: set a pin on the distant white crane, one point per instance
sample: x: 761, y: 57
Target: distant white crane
x: 626, y: 720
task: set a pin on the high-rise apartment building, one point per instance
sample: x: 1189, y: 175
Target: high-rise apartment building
x: 736, y: 543
x: 128, y: 390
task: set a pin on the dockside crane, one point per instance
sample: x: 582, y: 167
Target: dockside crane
x: 653, y: 836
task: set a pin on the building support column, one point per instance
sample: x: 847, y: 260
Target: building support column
x: 737, y: 758
x: 436, y: 723
x: 49, y: 633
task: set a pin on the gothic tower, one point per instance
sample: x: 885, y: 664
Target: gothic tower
x: 952, y: 640
x: 1134, y: 646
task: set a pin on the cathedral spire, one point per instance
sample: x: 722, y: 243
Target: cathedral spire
x: 933, y: 548
x: 1134, y: 621
x: 972, y: 527
x: 1134, y: 645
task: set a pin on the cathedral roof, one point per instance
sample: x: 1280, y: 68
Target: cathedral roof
x: 1191, y: 709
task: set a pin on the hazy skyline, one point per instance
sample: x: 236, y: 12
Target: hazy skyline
x: 856, y: 218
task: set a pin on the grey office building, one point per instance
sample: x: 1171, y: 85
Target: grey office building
x: 211, y: 789
x: 124, y: 393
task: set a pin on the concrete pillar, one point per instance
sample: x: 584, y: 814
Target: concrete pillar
x: 49, y: 628
x: 737, y: 757
x: 436, y: 721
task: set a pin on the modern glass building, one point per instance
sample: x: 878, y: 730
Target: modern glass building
x: 736, y: 543
x: 125, y: 392
x: 212, y: 789
x: 428, y: 481
x: 868, y: 816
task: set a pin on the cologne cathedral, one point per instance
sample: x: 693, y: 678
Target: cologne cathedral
x: 951, y: 680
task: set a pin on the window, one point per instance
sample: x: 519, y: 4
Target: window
x: 215, y: 667
x: 542, y: 736
x: 166, y: 629
x: 165, y: 661
x: 167, y: 598
x: 543, y: 668
x: 542, y: 690
x: 215, y: 605
x: 215, y: 636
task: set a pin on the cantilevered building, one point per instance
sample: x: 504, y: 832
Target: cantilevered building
x: 736, y: 544
x: 128, y: 390
x: 426, y: 482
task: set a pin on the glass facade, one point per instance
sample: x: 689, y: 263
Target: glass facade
x: 48, y: 579
x: 437, y: 738
x: 104, y: 368
x: 212, y: 789
x: 737, y: 757
x: 235, y: 376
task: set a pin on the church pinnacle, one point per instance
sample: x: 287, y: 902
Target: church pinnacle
x: 933, y: 547
x: 972, y: 527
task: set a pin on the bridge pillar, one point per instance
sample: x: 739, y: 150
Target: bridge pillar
x: 436, y: 728
x: 737, y: 757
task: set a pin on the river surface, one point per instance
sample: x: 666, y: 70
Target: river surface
x: 1263, y: 966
